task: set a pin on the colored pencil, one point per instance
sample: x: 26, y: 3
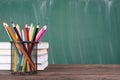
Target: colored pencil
x: 30, y: 30
x: 27, y: 36
x: 19, y: 63
x: 11, y: 39
x: 23, y: 35
x: 15, y: 57
x: 28, y: 44
x: 8, y: 34
x: 23, y: 38
x: 40, y: 34
x: 18, y: 29
x: 31, y: 34
x: 23, y: 59
x: 15, y: 60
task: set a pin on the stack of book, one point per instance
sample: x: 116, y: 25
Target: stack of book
x: 5, y: 55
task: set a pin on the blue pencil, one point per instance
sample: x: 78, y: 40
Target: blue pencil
x: 20, y: 61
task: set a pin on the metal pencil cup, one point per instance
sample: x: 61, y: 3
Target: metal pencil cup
x: 19, y: 62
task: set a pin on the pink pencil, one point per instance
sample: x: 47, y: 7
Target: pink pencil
x: 40, y: 34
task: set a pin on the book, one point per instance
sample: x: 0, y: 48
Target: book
x: 5, y: 59
x: 42, y: 45
x: 7, y: 52
x: 40, y: 66
x: 7, y: 45
x: 40, y: 58
x: 42, y: 52
x: 5, y: 55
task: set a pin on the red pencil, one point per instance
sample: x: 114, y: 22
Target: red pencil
x: 28, y: 44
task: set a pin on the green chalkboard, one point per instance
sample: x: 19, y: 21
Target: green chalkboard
x: 79, y: 31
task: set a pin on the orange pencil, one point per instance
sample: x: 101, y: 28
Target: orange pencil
x: 20, y: 46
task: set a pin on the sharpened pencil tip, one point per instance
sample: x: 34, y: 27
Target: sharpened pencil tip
x: 5, y: 24
x: 13, y: 24
x: 26, y: 25
x: 31, y: 25
x: 38, y: 25
x: 45, y: 27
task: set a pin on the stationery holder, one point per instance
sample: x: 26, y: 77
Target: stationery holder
x: 19, y: 64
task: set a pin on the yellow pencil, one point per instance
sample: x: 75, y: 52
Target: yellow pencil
x: 30, y: 29
x: 15, y: 60
x: 15, y: 57
x: 31, y: 34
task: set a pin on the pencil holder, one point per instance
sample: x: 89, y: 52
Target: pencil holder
x: 23, y: 57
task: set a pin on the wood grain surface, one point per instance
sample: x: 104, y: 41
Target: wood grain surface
x: 70, y: 72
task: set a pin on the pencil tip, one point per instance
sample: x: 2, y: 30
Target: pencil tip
x: 45, y: 27
x: 4, y: 23
x: 13, y: 24
x: 38, y: 25
x: 31, y: 25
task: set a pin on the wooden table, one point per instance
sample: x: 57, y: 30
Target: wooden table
x: 70, y: 72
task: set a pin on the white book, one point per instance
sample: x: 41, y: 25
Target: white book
x: 5, y: 59
x: 39, y: 66
x: 42, y: 52
x: 7, y: 52
x: 40, y: 58
x: 5, y: 66
x: 42, y: 66
x: 7, y: 45
x: 43, y: 45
